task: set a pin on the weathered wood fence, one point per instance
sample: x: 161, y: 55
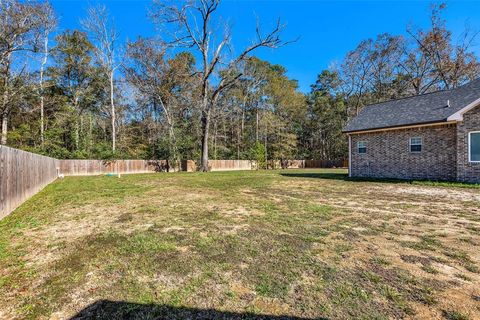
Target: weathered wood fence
x: 325, y: 164
x: 232, y: 165
x: 97, y: 167
x: 229, y: 165
x: 306, y: 164
x: 22, y: 174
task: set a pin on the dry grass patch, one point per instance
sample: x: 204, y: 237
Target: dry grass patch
x: 298, y: 243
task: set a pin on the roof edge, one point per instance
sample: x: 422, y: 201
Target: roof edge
x: 421, y: 94
x: 404, y: 126
x: 458, y: 116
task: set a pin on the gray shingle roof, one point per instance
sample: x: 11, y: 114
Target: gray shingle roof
x: 423, y: 109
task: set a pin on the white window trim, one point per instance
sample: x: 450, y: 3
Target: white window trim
x: 469, y: 147
x: 410, y: 144
x: 358, y: 147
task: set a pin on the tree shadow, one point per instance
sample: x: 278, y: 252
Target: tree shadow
x: 317, y: 175
x: 115, y: 310
x: 342, y: 177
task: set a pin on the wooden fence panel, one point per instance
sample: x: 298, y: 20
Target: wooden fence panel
x: 231, y: 165
x: 98, y: 167
x: 326, y: 164
x: 22, y: 174
x: 286, y: 164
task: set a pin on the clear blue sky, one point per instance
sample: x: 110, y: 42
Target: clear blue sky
x: 327, y: 30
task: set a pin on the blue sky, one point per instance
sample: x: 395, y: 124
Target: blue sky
x: 327, y: 29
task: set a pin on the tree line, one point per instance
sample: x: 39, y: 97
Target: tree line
x: 186, y: 94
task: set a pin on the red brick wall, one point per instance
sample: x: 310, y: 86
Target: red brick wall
x: 467, y: 171
x: 388, y: 154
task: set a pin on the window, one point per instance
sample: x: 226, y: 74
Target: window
x: 362, y: 146
x: 416, y: 144
x: 474, y: 146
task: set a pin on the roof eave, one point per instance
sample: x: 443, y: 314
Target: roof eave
x: 405, y: 126
x: 458, y: 116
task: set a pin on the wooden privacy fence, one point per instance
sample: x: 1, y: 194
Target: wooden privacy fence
x: 220, y: 165
x: 22, y: 174
x: 232, y: 165
x: 97, y: 167
x: 306, y: 164
x: 326, y: 164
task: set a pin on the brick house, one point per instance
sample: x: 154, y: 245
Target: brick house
x: 434, y: 136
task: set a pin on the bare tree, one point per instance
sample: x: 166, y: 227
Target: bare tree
x: 159, y: 84
x: 451, y: 65
x: 195, y: 28
x: 48, y: 24
x: 385, y: 56
x: 18, y: 23
x: 105, y: 37
x: 418, y: 69
x: 250, y: 87
x: 357, y: 70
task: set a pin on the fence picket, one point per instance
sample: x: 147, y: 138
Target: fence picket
x: 22, y: 174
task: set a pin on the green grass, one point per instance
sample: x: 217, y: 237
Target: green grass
x: 306, y: 243
x: 455, y: 315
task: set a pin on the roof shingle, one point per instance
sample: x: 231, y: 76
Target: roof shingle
x: 422, y: 109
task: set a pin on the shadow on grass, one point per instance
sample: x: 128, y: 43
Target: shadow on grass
x: 344, y: 177
x: 112, y: 310
x: 341, y: 176
x: 318, y: 175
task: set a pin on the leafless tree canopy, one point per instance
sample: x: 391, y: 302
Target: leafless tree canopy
x: 194, y: 26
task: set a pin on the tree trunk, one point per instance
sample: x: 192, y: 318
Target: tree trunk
x: 242, y: 132
x: 215, y: 139
x: 4, y: 129
x: 5, y: 107
x: 112, y: 104
x: 265, y: 144
x: 205, y: 134
x: 42, y: 120
x: 77, y: 134
x: 42, y: 97
x: 239, y: 134
x: 90, y: 132
x: 256, y: 126
x: 172, y: 140
x: 173, y: 146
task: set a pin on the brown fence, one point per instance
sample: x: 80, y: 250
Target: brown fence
x: 97, y: 167
x: 22, y: 174
x: 306, y: 164
x: 231, y: 165
x: 220, y: 165
x: 326, y: 164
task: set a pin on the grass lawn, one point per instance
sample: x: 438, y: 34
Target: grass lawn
x: 300, y: 243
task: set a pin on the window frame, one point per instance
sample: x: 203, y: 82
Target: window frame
x: 364, y: 147
x: 469, y: 147
x: 410, y: 144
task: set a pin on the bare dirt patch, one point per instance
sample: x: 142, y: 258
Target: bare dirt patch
x: 302, y: 244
